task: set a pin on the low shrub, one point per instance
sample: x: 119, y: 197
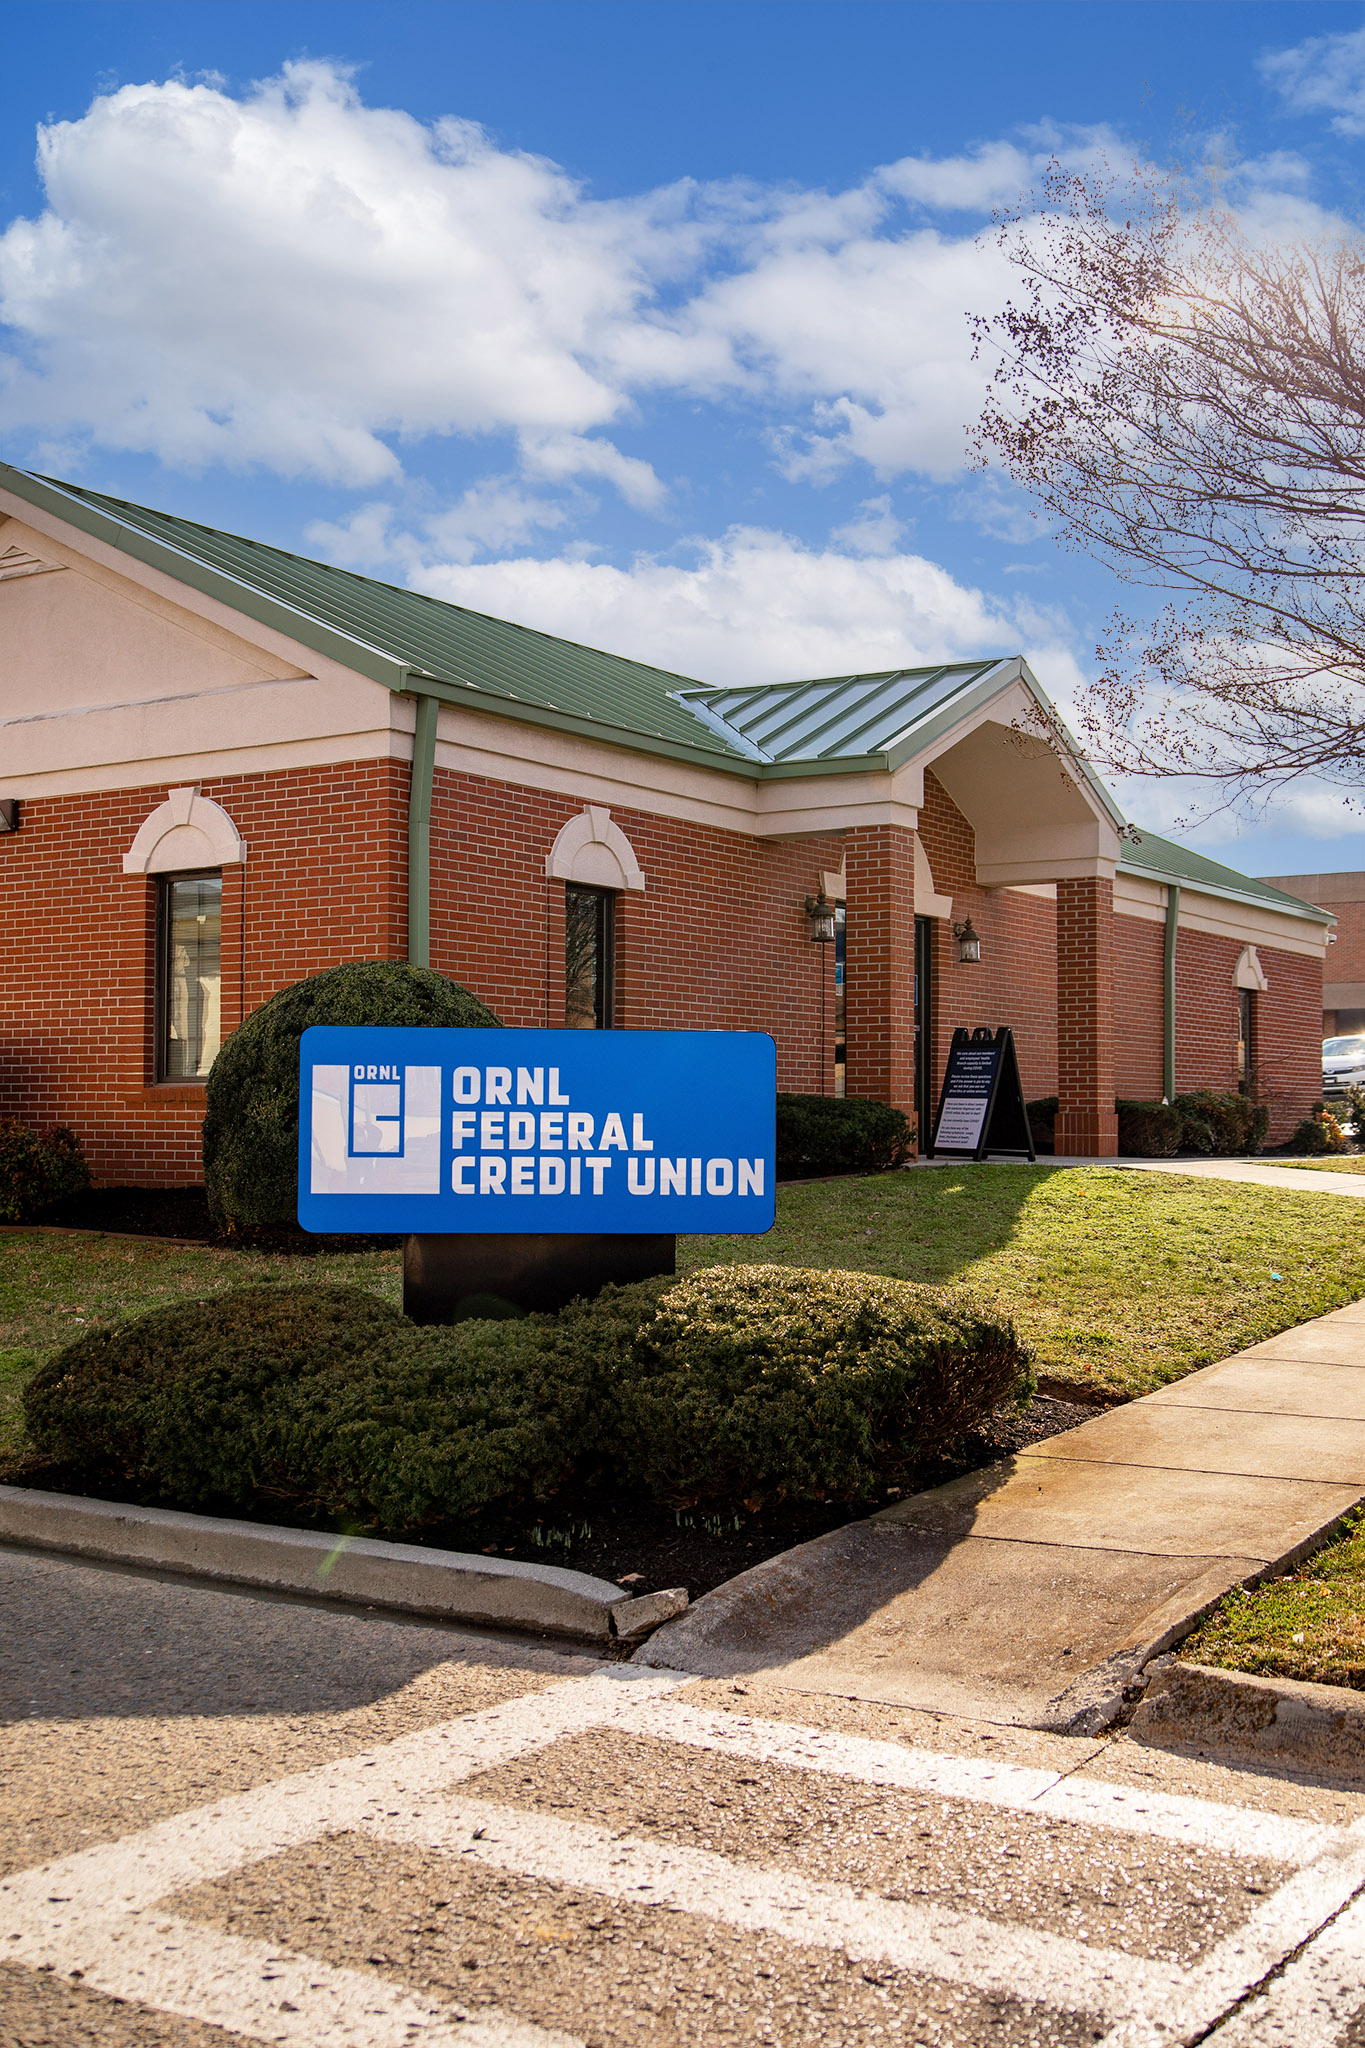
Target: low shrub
x: 1229, y: 1123
x: 839, y: 1134
x: 251, y: 1120
x: 1202, y: 1122
x: 1042, y: 1123
x: 36, y: 1170
x: 1149, y: 1130
x: 738, y: 1385
x: 323, y: 1396
x: 1319, y: 1133
x: 749, y: 1385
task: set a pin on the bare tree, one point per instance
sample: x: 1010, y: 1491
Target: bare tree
x: 1187, y: 400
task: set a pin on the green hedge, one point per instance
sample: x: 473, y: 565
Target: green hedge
x: 1229, y: 1124
x: 839, y: 1134
x: 736, y: 1386
x: 37, y: 1170
x: 251, y: 1121
x: 755, y: 1384
x: 321, y: 1396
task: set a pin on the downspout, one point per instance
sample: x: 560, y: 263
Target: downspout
x: 1168, y: 991
x: 419, y: 831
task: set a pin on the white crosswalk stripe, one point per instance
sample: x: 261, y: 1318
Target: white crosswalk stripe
x: 1289, y: 1976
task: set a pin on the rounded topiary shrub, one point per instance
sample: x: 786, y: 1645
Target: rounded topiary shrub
x: 749, y: 1385
x: 839, y: 1134
x: 321, y: 1399
x: 251, y: 1121
x: 36, y: 1170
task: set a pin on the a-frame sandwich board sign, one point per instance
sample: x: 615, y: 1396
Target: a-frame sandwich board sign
x: 981, y: 1105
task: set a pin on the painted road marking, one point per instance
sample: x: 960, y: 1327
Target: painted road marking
x: 96, y: 1911
x: 1124, y: 1809
x: 932, y: 1940
x: 248, y: 1987
x: 1305, y: 2006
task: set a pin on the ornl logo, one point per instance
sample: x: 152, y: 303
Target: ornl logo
x: 376, y: 1130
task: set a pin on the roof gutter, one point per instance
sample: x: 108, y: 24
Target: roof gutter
x: 1168, y: 992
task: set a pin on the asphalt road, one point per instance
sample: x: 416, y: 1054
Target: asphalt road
x: 227, y: 1816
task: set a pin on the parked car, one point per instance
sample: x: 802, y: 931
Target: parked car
x: 1343, y: 1065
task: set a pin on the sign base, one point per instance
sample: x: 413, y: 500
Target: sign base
x: 452, y: 1278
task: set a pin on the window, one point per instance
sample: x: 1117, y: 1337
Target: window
x: 189, y: 975
x: 1244, y: 1027
x: 589, y: 936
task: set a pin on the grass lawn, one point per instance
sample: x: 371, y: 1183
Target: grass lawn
x: 1121, y: 1280
x: 1310, y: 1625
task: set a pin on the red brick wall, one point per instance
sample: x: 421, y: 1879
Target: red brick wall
x: 1139, y: 1009
x: 1286, y: 1048
x: 880, y: 964
x: 717, y: 941
x: 1015, y: 982
x: 322, y: 883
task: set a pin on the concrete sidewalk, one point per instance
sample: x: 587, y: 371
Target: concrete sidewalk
x: 1034, y: 1591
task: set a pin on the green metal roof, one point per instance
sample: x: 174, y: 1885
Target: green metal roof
x: 837, y: 717
x: 413, y: 636
x: 1164, y: 861
x: 401, y: 638
x: 836, y: 724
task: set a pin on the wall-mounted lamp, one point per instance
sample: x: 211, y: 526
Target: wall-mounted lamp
x: 968, y: 944
x: 9, y: 814
x: 820, y: 912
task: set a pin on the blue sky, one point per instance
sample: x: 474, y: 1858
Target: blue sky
x: 644, y: 323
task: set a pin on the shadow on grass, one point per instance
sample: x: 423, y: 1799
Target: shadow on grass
x: 927, y: 1223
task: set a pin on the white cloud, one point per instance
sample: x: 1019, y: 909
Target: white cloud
x: 876, y: 530
x: 298, y: 281
x: 286, y: 278
x: 560, y: 457
x: 1322, y: 75
x: 758, y: 606
x: 494, y: 513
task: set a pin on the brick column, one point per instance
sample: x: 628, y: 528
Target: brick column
x: 880, y: 964
x: 1087, y: 1125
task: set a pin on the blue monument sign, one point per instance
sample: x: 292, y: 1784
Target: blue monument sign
x: 425, y: 1130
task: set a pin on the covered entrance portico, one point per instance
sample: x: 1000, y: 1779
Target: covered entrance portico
x: 986, y: 820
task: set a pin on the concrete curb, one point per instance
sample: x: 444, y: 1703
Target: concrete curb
x: 444, y: 1583
x: 1275, y: 1720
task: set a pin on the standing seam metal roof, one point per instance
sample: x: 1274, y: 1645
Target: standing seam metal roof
x: 810, y: 727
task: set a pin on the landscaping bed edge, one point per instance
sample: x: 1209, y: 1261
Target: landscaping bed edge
x: 1275, y: 1720
x: 446, y: 1584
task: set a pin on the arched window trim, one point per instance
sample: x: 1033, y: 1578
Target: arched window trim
x: 186, y: 833
x: 592, y: 850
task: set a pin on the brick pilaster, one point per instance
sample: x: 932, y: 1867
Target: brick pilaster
x: 1086, y: 1122
x: 880, y: 964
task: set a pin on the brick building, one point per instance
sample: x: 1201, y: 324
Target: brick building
x: 224, y: 767
x: 1343, y: 988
